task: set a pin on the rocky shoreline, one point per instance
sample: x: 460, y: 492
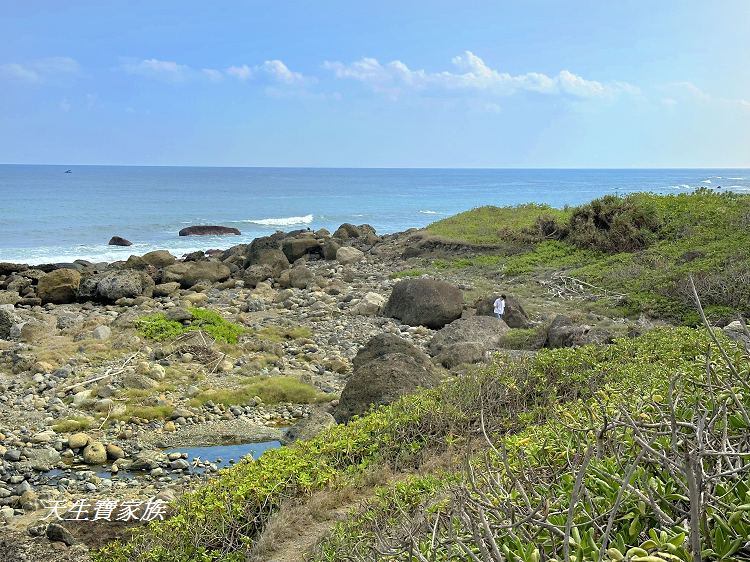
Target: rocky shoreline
x: 77, y: 378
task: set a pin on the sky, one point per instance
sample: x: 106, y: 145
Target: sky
x: 376, y: 84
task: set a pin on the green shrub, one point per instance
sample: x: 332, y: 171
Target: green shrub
x: 158, y: 328
x: 613, y: 224
x: 271, y: 390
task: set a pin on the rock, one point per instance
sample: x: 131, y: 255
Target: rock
x: 169, y: 427
x: 158, y: 258
x: 58, y: 533
x: 563, y: 332
x: 178, y: 314
x: 43, y: 459
x: 114, y: 452
x: 188, y: 274
x: 257, y: 274
x: 737, y: 332
x: 101, y: 333
x: 147, y: 460
x: 166, y: 289
x: 206, y: 230
x: 347, y: 255
x: 78, y: 440
x: 515, y: 316
x: 8, y: 319
x: 330, y: 247
x: 300, y: 277
x: 385, y: 369
x: 115, y: 285
x: 309, y: 427
x: 424, y: 302
x: 59, y: 286
x: 364, y: 232
x: 34, y: 332
x: 140, y: 382
x: 272, y: 257
x: 119, y: 241
x: 369, y: 305
x: 295, y: 248
x: 94, y: 453
x: 467, y: 339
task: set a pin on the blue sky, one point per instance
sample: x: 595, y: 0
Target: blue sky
x: 409, y: 83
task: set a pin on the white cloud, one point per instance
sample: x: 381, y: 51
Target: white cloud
x: 471, y: 74
x: 279, y: 71
x: 688, y: 90
x: 243, y: 72
x: 39, y: 70
x: 160, y: 69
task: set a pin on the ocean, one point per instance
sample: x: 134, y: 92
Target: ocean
x: 48, y: 216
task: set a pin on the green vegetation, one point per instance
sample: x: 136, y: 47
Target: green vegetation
x: 643, y: 246
x: 158, y: 328
x: 271, y: 390
x: 71, y: 425
x: 491, y: 225
x: 525, y: 338
x: 221, y: 519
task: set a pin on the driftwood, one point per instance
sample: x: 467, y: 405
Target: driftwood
x: 110, y: 372
x: 564, y: 286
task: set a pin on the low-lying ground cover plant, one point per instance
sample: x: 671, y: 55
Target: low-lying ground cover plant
x: 271, y: 390
x: 158, y: 328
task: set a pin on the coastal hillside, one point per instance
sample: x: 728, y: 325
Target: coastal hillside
x: 395, y: 414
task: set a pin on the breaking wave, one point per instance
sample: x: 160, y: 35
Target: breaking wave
x: 282, y: 221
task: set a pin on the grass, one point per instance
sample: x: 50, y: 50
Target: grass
x: 490, y: 225
x: 271, y: 390
x: 147, y: 412
x: 221, y: 519
x: 704, y: 234
x: 158, y: 328
x: 71, y: 425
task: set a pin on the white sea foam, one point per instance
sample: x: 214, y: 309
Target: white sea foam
x: 282, y: 221
x: 736, y: 179
x: 706, y: 181
x: 428, y: 212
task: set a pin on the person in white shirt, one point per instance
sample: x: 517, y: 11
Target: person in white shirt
x: 500, y: 307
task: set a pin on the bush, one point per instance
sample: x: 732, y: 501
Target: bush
x: 271, y: 390
x: 613, y: 224
x: 158, y: 328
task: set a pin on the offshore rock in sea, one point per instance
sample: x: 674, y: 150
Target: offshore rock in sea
x: 119, y: 241
x: 209, y: 230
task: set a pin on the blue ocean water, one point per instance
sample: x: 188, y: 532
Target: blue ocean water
x: 48, y: 215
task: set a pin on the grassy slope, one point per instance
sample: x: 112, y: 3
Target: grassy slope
x: 220, y: 520
x: 703, y: 233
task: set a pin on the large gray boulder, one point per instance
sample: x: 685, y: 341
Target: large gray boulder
x: 188, y: 274
x: 8, y: 319
x: 387, y: 368
x: 266, y: 251
x: 515, y: 316
x: 737, y: 332
x: 115, y: 285
x: 467, y: 340
x: 159, y: 258
x: 295, y: 248
x: 209, y: 230
x: 564, y: 332
x: 59, y: 286
x: 363, y: 232
x: 424, y: 302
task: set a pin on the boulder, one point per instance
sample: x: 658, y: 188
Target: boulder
x: 114, y: 285
x: 94, y: 453
x: 188, y: 274
x: 467, y: 340
x: 295, y: 248
x: 7, y: 268
x: 737, y: 332
x: 300, y: 277
x: 515, y: 316
x: 309, y: 427
x: 57, y: 533
x: 424, y: 302
x: 369, y: 305
x: 158, y: 258
x: 209, y: 230
x: 78, y: 440
x: 166, y: 289
x: 330, y: 247
x: 348, y: 231
x: 385, y: 369
x: 101, y: 333
x: 114, y: 452
x: 563, y: 332
x: 256, y: 274
x: 119, y: 241
x: 140, y: 382
x: 346, y: 255
x: 59, y: 286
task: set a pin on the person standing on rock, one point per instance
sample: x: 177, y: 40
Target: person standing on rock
x: 500, y: 307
